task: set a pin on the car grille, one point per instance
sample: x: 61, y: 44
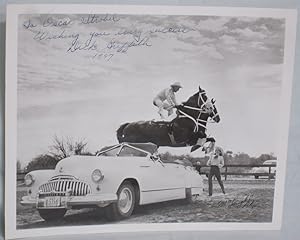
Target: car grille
x: 58, y: 186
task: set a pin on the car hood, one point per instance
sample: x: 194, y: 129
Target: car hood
x: 81, y: 165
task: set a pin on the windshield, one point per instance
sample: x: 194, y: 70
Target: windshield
x: 123, y: 151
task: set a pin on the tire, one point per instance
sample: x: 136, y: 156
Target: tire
x: 256, y: 177
x: 124, y: 206
x: 189, y: 199
x: 52, y: 214
x: 188, y: 195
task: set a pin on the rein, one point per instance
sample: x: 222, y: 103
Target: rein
x: 199, y: 122
x: 202, y: 100
x: 200, y: 110
x: 193, y: 119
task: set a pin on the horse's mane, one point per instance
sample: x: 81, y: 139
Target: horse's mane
x: 196, y: 95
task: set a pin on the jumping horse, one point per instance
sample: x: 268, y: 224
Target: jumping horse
x: 188, y: 128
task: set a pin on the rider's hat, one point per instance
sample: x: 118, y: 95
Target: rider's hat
x: 176, y: 84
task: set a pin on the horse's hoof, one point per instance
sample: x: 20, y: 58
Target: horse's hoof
x: 195, y: 147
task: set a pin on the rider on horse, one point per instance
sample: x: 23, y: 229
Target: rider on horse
x: 165, y: 99
x: 187, y: 129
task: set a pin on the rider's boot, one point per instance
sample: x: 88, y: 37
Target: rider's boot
x: 160, y: 112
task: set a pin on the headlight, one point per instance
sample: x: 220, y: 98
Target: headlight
x: 29, y: 179
x: 97, y: 176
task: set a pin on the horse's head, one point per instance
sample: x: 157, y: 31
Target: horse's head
x: 200, y: 101
x: 210, y: 108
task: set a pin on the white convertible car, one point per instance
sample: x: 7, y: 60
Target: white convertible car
x: 118, y: 178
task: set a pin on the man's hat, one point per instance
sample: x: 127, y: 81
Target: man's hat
x: 219, y: 149
x: 176, y: 84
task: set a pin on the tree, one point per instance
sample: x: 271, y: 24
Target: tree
x: 19, y: 167
x: 61, y: 148
x: 43, y: 161
x: 65, y: 146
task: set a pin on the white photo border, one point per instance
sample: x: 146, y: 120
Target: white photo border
x: 14, y: 10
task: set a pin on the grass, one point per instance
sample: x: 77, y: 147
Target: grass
x: 245, y: 201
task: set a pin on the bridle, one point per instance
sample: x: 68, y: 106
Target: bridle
x: 202, y: 110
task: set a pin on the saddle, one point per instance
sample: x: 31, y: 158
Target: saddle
x: 169, y: 126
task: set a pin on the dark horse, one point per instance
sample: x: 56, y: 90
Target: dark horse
x: 187, y: 129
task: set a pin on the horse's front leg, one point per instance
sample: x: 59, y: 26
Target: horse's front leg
x: 210, y: 139
x: 200, y: 143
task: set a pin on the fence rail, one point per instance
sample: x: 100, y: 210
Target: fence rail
x: 226, y: 173
x: 20, y: 177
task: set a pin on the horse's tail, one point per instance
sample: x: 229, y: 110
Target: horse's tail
x: 120, y: 134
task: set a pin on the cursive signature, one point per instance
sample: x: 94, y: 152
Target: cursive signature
x: 171, y: 30
x: 93, y: 18
x: 122, y: 47
x: 52, y: 22
x: 88, y: 45
x: 29, y: 24
x: 45, y: 35
x: 103, y: 41
x: 247, y: 202
x: 136, y: 34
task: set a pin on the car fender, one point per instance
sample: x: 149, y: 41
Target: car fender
x: 40, y: 177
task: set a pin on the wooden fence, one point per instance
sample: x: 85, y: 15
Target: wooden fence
x: 226, y: 172
x: 20, y: 177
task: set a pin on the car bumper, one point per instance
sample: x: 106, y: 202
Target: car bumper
x: 69, y: 201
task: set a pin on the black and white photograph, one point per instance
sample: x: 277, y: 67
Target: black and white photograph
x: 141, y: 118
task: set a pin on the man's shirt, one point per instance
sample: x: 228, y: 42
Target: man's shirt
x: 215, y: 161
x: 167, y: 94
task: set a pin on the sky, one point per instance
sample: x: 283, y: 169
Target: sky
x: 84, y: 85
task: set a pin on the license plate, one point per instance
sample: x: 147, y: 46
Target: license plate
x: 52, y: 201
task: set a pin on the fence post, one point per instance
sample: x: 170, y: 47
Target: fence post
x: 225, y: 173
x: 269, y: 173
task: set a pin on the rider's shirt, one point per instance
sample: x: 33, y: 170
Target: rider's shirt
x: 215, y: 160
x: 167, y: 94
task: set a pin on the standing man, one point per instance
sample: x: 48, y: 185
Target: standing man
x: 216, y: 161
x: 165, y: 100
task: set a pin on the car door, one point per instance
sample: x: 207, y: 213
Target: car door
x: 160, y: 181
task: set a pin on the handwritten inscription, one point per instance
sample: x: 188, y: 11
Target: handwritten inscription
x: 46, y: 35
x: 124, y: 46
x: 102, y: 36
x: 51, y: 22
x: 247, y: 202
x: 93, y: 18
x: 28, y: 24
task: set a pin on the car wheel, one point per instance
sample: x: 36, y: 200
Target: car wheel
x: 124, y: 206
x: 52, y: 214
x: 256, y: 177
x: 189, y: 198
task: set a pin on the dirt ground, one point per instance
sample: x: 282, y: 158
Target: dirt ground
x: 246, y: 200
